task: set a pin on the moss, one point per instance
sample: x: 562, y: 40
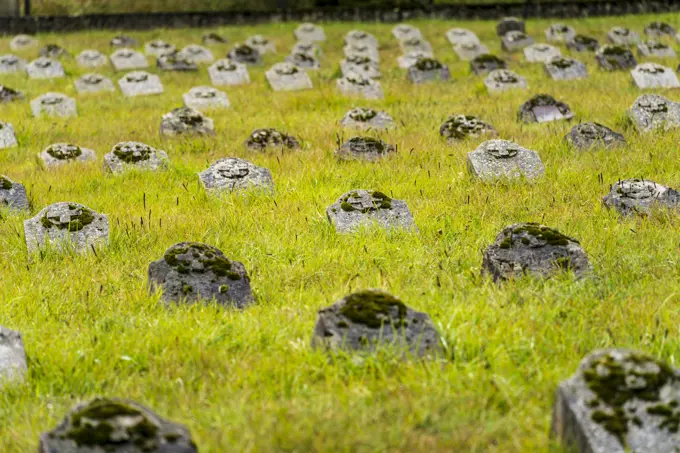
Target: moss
x: 459, y: 127
x: 362, y: 115
x: 615, y: 51
x: 76, y: 223
x: 64, y: 152
x: 359, y: 59
x: 132, y: 152
x: 561, y: 62
x: 586, y: 41
x: 209, y: 257
x: 244, y: 50
x: 428, y: 64
x: 371, y: 308
x: 226, y: 66
x: 487, y: 58
x: 356, y: 79
x: 544, y: 233
x: 5, y: 184
x: 186, y: 289
x: 379, y: 200
x: 223, y: 289
x: 347, y: 207
x: 342, y: 324
x: 367, y: 145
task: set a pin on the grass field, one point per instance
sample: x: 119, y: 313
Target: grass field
x: 247, y: 381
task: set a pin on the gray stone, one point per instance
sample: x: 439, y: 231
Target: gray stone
x: 11, y: 63
x: 197, y: 54
x: 13, y: 195
x: 206, y: 98
x: 8, y: 138
x: 541, y: 53
x: 502, y: 159
x: 530, y: 249
x: 593, y: 135
x: 123, y: 41
x: 362, y: 208
x: 508, y: 24
x: 53, y: 51
x: 308, y: 48
x: 22, y: 42
x: 410, y: 58
x: 135, y: 155
x: 66, y: 226
x: 428, y: 70
x: 288, y: 77
x: 116, y: 426
x: 415, y: 44
x: 652, y: 75
x: 371, y: 320
x: 44, y: 68
x: 364, y: 148
x: 309, y: 33
x: 581, y: 43
x: 12, y: 354
x: 640, y: 197
x: 140, y: 83
x: 470, y: 50
x: 261, y: 139
x: 93, y: 83
x: 243, y: 53
x: 651, y: 111
x: 500, y: 80
x: 404, y: 31
x: 261, y: 44
x: 54, y: 104
x: 366, y: 118
x: 214, y: 39
x: 559, y: 33
x: 232, y: 174
x: 543, y: 108
x: 614, y: 58
x: 174, y: 62
x: 303, y: 60
x: 561, y: 68
x: 655, y: 49
x: 622, y: 36
x: 157, y: 48
x: 128, y: 59
x: 658, y: 29
x: 63, y: 153
x: 191, y: 271
x: 361, y: 37
x: 354, y: 84
x: 484, y: 64
x: 227, y: 72
x: 363, y: 66
x: 92, y: 59
x: 618, y: 401
x: 185, y: 120
x: 460, y: 127
x: 362, y: 50
x: 513, y: 41
x: 8, y: 94
x: 458, y: 36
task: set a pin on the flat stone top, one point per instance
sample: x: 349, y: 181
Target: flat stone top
x: 495, y: 159
x: 205, y: 92
x: 44, y: 63
x: 505, y: 77
x: 52, y: 99
x: 72, y: 217
x: 131, y: 152
x: 138, y: 77
x: 127, y: 53
x: 356, y: 79
x: 651, y: 68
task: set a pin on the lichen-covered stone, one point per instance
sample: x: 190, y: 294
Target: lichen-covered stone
x: 362, y: 50
x: 185, y: 120
x: 652, y: 75
x: 500, y: 80
x: 12, y: 354
x: 140, y: 83
x: 11, y: 63
x: 53, y: 51
x: 460, y: 127
x: 415, y: 45
x: 428, y: 70
x: 530, y: 249
x: 174, y: 62
x: 128, y: 59
x: 658, y: 29
x: 484, y: 64
x: 619, y: 401
x: 44, y: 68
x: 22, y: 42
x: 369, y: 208
x: 129, y: 155
x: 561, y: 68
x: 367, y: 118
x: 502, y: 159
x: 227, y: 72
x: 404, y: 31
x: 364, y: 148
x: 8, y: 94
x: 655, y: 49
x: 206, y: 98
x: 651, y: 111
x: 461, y: 36
x: 243, y: 53
x: 92, y: 59
x: 361, y: 37
x: 559, y: 33
x: 63, y: 153
x: 543, y: 108
x: 470, y: 50
x: 213, y: 39
x: 622, y: 36
x: 232, y: 174
x: 309, y: 33
x: 109, y: 425
x: 192, y: 271
x: 615, y: 58
x: 303, y: 60
x: 541, y: 53
x: 261, y: 139
x: 93, y: 83
x: 372, y: 319
x: 13, y: 195
x: 638, y: 196
x: 8, y: 138
x: 410, y: 58
x: 513, y: 41
x: 197, y: 54
x: 308, y: 48
x: 582, y: 43
x: 66, y: 225
x: 157, y: 48
x: 363, y: 66
x: 593, y: 135
x: 288, y: 77
x: 508, y: 24
x: 354, y: 84
x: 123, y: 41
x: 54, y: 104
x: 261, y: 44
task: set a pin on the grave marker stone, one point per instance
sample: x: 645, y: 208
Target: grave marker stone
x: 655, y: 49
x: 651, y: 111
x: 428, y: 70
x: 361, y: 37
x: 44, y: 68
x: 615, y: 58
x: 214, y: 39
x: 658, y: 29
x: 309, y: 33
x: 140, y: 83
x: 308, y: 48
x: 227, y: 72
x: 559, y: 33
x: 362, y: 50
x: 197, y: 54
x: 364, y: 148
x: 509, y: 24
x: 232, y: 174
x: 368, y: 208
x: 185, y: 120
x: 13, y: 195
x: 582, y: 43
x: 484, y: 64
x: 288, y: 77
x: 12, y: 354
x: 93, y: 83
x: 261, y: 44
x: 561, y: 68
x: 586, y: 136
x: 502, y: 159
x: 92, y: 59
x: 174, y: 62
x: 22, y: 42
x: 640, y: 197
x: 303, y: 60
x: 470, y: 50
x: 513, y: 41
x: 123, y: 41
x: 54, y: 104
x: 243, y: 53
x: 652, y: 75
x: 157, y: 48
x: 458, y: 36
x: 541, y: 53
x: 8, y: 94
x: 206, y: 98
x: 354, y: 84
x: 11, y: 63
x: 622, y: 36
x: 128, y: 59
x: 410, y: 58
x: 415, y: 44
x: 543, y: 108
x: 8, y: 138
x: 500, y: 80
x: 135, y: 155
x: 366, y: 118
x: 460, y: 127
x: 53, y: 51
x: 63, y: 153
x: 363, y: 66
x: 404, y: 31
x: 262, y: 139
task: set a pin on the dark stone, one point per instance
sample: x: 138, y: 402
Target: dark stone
x: 636, y: 196
x: 243, y: 53
x: 658, y: 29
x: 261, y: 139
x: 8, y: 94
x: 581, y: 43
x: 543, y: 108
x: 590, y: 135
x: 484, y: 64
x: 510, y: 24
x: 172, y: 62
x: 53, y: 51
x: 214, y: 38
x: 615, y: 58
x: 460, y: 127
x: 364, y: 148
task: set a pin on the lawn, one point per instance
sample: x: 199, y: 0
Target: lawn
x: 248, y: 381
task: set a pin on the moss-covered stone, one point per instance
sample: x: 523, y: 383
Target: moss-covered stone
x: 64, y: 151
x: 79, y: 218
x: 543, y: 233
x: 5, y: 184
x: 182, y: 256
x: 362, y: 114
x: 132, y: 152
x: 428, y: 64
x: 373, y: 308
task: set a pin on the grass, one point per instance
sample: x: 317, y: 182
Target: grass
x: 247, y: 381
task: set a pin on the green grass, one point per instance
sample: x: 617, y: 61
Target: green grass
x: 247, y: 381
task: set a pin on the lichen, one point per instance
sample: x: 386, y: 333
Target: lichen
x: 373, y: 308
x: 64, y: 151
x: 367, y: 145
x: 458, y: 127
x: 182, y: 256
x: 79, y: 218
x: 5, y: 184
x: 428, y: 64
x: 542, y: 233
x: 354, y: 201
x: 362, y: 114
x: 131, y: 152
x: 561, y: 62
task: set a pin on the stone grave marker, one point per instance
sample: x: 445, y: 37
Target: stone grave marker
x: 44, y: 68
x: 135, y: 155
x: 586, y: 136
x: 652, y: 75
x: 192, y: 271
x: 364, y: 148
x: 428, y: 70
x: 93, y: 83
x: 658, y: 29
x: 206, y: 98
x: 12, y: 354
x: 128, y: 59
x: 22, y: 42
x: 13, y: 195
x: 622, y: 36
x: 185, y: 120
x: 639, y: 197
x: 367, y: 208
x: 227, y: 72
x: 303, y: 60
x: 582, y: 43
x: 54, y: 104
x: 410, y: 58
x: 362, y: 50
x: 361, y: 37
x: 363, y: 66
x: 140, y: 83
x: 116, y: 426
x: 214, y: 39
x: 655, y: 49
x: 544, y: 108
x: 617, y: 401
x: 8, y: 94
x: 11, y: 63
x: 530, y: 249
x: 458, y: 36
x: 123, y: 41
x: 500, y: 80
x: 502, y: 159
x: 308, y: 48
x: 288, y: 77
x: 262, y: 139
x: 66, y: 225
x: 157, y: 48
x: 404, y: 31
x: 613, y: 58
x: 509, y: 24
x: 484, y: 64
x: 541, y: 53
x: 470, y: 50
x: 309, y: 33
x: 354, y: 84
x: 8, y: 138
x: 561, y: 68
x: 232, y: 174
x: 243, y: 53
x: 92, y: 59
x: 651, y: 111
x: 174, y: 62
x: 415, y: 44
x: 261, y: 44
x: 53, y: 51
x: 367, y: 118
x: 513, y: 41
x: 63, y: 153
x: 559, y: 33
x: 368, y: 320
x: 460, y: 127
x: 197, y: 54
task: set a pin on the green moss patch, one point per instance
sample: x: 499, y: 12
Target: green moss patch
x: 80, y: 217
x: 64, y: 152
x: 212, y: 260
x: 372, y: 308
x: 5, y: 184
